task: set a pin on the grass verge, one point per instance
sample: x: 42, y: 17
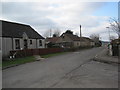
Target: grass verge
x: 53, y: 54
x: 29, y: 59
x: 0, y: 64
x: 17, y: 61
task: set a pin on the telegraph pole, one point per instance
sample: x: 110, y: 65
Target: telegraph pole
x: 108, y: 32
x: 50, y: 32
x: 80, y: 31
x: 80, y: 35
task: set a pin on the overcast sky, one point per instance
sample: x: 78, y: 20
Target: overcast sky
x: 63, y: 15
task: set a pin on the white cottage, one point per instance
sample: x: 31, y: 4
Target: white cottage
x: 17, y: 36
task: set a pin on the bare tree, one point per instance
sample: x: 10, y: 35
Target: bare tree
x: 95, y: 37
x: 112, y: 38
x: 77, y: 34
x: 48, y: 33
x: 115, y: 25
x: 56, y: 32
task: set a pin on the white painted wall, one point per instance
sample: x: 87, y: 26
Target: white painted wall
x: 33, y: 45
x: 6, y: 46
x: 83, y: 43
x: 110, y: 50
x: 21, y: 43
x: 65, y: 39
x: 92, y: 44
x: 43, y: 43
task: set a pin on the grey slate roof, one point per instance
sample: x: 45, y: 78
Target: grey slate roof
x: 76, y: 38
x: 16, y: 30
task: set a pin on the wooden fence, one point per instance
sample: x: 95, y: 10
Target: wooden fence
x: 30, y: 52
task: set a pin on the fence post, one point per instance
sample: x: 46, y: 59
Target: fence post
x: 110, y: 50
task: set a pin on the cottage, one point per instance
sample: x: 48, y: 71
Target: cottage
x: 69, y: 40
x: 51, y: 42
x: 17, y: 36
x: 85, y: 41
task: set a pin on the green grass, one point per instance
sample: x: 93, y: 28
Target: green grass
x: 18, y: 61
x: 26, y: 59
x: 54, y: 54
x: 0, y: 64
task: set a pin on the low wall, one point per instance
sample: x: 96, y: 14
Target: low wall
x: 30, y: 52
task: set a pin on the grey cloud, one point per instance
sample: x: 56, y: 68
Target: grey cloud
x: 24, y: 13
x: 46, y: 15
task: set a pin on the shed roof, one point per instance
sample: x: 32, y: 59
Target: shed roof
x: 53, y: 39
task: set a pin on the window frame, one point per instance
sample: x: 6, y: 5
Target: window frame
x: 40, y: 43
x: 17, y: 43
x: 31, y: 42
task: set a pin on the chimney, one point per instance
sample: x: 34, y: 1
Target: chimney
x: 80, y: 32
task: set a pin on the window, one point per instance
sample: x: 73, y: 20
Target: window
x: 30, y: 41
x: 63, y: 36
x: 17, y: 43
x: 40, y: 42
x: 25, y: 43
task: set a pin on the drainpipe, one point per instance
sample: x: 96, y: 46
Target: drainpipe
x: 80, y: 35
x: 80, y: 32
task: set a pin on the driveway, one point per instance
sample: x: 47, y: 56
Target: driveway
x: 75, y: 69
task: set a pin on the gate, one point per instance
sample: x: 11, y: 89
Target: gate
x: 115, y: 49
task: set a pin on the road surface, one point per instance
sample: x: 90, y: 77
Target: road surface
x: 71, y: 70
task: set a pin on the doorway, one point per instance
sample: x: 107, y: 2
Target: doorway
x: 25, y: 44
